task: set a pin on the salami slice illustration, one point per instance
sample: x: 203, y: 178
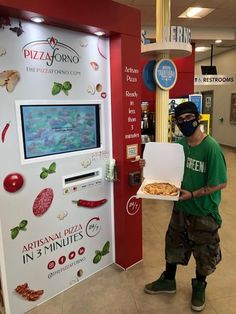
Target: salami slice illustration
x: 43, y: 202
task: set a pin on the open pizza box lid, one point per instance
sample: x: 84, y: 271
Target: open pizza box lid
x: 164, y: 162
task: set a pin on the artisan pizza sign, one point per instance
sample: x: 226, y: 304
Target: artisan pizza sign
x: 48, y: 244
x: 50, y: 51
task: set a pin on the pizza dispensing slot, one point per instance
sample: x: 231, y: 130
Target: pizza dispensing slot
x: 82, y: 177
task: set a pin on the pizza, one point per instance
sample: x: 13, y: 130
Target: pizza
x: 161, y: 188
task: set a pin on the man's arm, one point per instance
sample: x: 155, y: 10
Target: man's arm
x: 186, y: 195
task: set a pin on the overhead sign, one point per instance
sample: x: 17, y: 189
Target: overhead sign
x: 173, y: 34
x: 214, y: 79
x: 165, y: 74
x: 177, y: 34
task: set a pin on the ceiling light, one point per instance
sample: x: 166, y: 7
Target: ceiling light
x: 218, y: 41
x: 202, y: 49
x: 195, y: 12
x: 99, y: 33
x: 37, y: 19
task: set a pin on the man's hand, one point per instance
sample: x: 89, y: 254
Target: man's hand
x: 142, y: 163
x: 185, y: 195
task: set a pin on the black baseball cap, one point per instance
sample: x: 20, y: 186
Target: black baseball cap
x: 186, y: 107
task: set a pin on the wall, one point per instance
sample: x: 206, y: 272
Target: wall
x: 223, y: 132
x: 185, y: 68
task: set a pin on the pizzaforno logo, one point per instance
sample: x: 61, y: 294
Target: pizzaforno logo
x: 50, y: 51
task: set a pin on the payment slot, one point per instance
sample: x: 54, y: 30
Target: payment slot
x: 83, y: 180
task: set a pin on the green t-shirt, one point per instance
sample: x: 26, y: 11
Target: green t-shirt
x: 204, y: 166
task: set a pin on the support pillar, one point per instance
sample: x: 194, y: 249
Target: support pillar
x: 162, y: 96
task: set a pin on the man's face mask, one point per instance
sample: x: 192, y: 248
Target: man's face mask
x: 188, y: 124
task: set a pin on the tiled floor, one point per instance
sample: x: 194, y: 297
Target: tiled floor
x: 114, y: 291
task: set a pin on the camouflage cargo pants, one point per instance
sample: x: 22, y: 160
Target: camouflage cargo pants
x: 188, y: 234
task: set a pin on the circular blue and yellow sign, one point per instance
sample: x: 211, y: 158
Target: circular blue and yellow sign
x: 147, y: 75
x: 165, y: 74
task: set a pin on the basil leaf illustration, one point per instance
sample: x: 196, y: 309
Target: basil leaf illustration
x: 97, y: 258
x: 106, y: 247
x: 67, y: 85
x: 65, y: 91
x: 43, y: 175
x: 23, y: 224
x: 52, y: 168
x: 14, y: 232
x: 57, y: 87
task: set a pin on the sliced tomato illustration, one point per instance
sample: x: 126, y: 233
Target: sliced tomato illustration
x: 13, y: 182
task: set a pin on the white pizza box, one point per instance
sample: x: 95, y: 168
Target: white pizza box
x: 164, y: 162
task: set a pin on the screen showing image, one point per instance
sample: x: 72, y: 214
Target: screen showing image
x: 57, y: 129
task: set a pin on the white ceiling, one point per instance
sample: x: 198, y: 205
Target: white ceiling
x: 219, y: 24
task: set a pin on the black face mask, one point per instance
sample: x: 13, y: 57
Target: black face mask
x: 188, y: 127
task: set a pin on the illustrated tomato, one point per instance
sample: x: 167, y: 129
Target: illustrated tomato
x: 62, y: 260
x: 81, y: 250
x: 51, y: 265
x: 13, y: 182
x: 72, y: 255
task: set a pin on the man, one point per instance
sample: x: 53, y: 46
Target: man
x: 195, y: 220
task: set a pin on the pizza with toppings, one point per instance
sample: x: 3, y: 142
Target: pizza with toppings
x: 161, y: 188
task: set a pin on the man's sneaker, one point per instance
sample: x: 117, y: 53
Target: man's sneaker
x: 198, y: 295
x: 161, y: 285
